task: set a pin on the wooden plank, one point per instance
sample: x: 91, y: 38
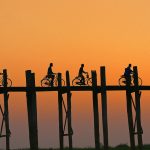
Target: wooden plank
x: 95, y: 111
x: 70, y: 132
x: 104, y: 107
x: 60, y: 109
x: 71, y: 88
x: 129, y: 113
x: 138, y: 108
x: 6, y: 110
x: 32, y: 111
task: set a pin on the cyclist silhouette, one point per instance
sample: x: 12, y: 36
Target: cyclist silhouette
x: 128, y: 71
x: 81, y: 72
x: 51, y: 74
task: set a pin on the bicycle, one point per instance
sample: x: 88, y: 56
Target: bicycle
x: 46, y: 81
x: 122, y: 81
x: 9, y: 82
x: 77, y: 81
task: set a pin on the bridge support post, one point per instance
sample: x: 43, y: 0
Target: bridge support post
x: 104, y: 107
x: 129, y: 113
x: 95, y: 110
x: 32, y: 110
x: 138, y: 109
x: 6, y: 111
x: 70, y: 131
x: 60, y: 114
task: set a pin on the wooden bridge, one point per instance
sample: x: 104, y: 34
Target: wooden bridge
x: 135, y: 127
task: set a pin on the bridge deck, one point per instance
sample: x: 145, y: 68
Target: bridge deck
x: 71, y: 88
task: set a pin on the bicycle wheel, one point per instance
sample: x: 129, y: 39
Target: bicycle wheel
x: 9, y: 82
x: 56, y: 82
x: 139, y: 81
x: 1, y: 82
x: 89, y: 82
x: 62, y: 82
x: 122, y: 81
x: 45, y: 83
x: 75, y: 82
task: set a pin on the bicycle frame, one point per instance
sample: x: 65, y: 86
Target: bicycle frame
x: 79, y: 78
x: 55, y: 80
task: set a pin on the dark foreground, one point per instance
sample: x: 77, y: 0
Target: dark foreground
x: 119, y: 147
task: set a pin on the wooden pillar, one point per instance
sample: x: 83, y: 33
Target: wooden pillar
x: 138, y: 108
x: 60, y: 109
x: 32, y: 110
x: 95, y: 110
x: 70, y: 131
x: 104, y: 107
x: 6, y: 111
x: 129, y: 113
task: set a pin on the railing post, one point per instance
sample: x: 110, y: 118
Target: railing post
x: 32, y: 110
x: 6, y: 111
x: 104, y: 107
x: 138, y: 109
x: 129, y: 112
x: 60, y: 109
x: 95, y: 110
x: 70, y: 131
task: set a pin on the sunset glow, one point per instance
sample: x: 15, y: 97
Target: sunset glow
x: 69, y: 33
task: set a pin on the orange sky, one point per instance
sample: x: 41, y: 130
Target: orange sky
x: 68, y: 33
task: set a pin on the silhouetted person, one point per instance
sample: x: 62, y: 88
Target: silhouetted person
x: 50, y: 73
x: 128, y: 72
x: 81, y: 72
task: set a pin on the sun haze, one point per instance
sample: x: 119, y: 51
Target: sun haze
x: 69, y: 33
